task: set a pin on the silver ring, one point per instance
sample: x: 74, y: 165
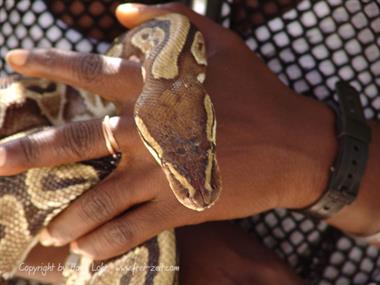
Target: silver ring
x: 111, y: 143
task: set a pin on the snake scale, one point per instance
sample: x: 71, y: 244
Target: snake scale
x: 175, y: 119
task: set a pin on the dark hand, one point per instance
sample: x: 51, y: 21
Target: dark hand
x: 269, y: 142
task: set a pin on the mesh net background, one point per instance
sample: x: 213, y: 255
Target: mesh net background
x: 309, y: 45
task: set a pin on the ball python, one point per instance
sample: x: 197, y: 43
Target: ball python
x: 175, y: 119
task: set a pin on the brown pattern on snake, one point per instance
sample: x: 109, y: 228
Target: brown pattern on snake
x: 176, y: 121
x: 173, y: 114
x: 2, y: 231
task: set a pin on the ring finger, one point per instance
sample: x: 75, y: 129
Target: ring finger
x: 66, y: 144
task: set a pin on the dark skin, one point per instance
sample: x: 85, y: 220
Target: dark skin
x: 212, y: 253
x: 257, y: 129
x: 222, y: 254
x: 274, y: 147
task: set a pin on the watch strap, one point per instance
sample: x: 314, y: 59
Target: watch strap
x: 354, y: 137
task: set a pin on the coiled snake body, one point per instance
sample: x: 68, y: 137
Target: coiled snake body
x: 175, y: 119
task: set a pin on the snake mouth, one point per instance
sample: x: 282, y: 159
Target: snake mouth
x: 194, y: 203
x: 207, y: 202
x: 198, y: 199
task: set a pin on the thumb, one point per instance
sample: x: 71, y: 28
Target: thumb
x: 131, y: 15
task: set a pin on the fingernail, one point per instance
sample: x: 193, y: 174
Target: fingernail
x: 74, y: 248
x: 17, y: 57
x: 46, y: 239
x: 129, y: 8
x: 3, y: 156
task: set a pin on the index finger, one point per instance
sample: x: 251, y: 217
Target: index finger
x: 113, y: 78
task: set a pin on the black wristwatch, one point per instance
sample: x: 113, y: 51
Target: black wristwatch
x: 354, y: 136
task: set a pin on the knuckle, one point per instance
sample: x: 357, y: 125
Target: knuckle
x: 93, y: 246
x: 45, y: 56
x: 88, y: 67
x: 29, y: 150
x: 79, y: 138
x: 95, y: 250
x: 50, y: 55
x: 120, y: 193
x: 121, y: 233
x: 96, y: 207
x: 61, y: 234
x: 166, y: 215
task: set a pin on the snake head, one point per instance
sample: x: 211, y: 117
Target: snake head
x: 174, y: 114
x: 182, y: 140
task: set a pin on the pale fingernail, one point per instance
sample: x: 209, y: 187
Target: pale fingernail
x: 17, y: 57
x: 129, y: 8
x: 3, y: 156
x: 74, y: 248
x: 46, y: 239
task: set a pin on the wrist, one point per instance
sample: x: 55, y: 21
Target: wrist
x: 312, y: 146
x: 316, y: 150
x: 362, y: 216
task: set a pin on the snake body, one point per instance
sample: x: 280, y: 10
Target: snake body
x: 175, y: 119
